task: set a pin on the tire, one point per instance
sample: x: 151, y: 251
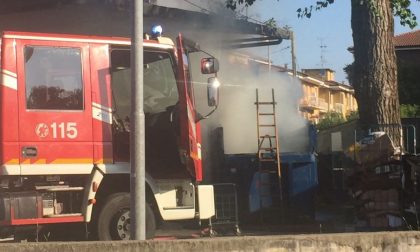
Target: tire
x: 114, y: 219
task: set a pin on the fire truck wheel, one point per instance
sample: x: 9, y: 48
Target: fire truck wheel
x: 114, y: 219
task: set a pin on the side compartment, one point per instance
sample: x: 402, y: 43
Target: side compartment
x: 55, y: 111
x: 176, y: 199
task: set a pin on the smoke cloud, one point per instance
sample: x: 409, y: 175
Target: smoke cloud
x: 237, y: 110
x: 240, y: 79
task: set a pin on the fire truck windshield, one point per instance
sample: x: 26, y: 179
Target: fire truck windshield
x: 160, y: 89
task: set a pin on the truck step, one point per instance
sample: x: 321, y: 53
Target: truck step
x: 59, y: 188
x: 63, y: 215
x: 76, y: 188
x: 178, y: 208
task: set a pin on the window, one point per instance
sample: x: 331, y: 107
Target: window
x: 53, y: 78
x: 186, y: 61
x: 160, y: 88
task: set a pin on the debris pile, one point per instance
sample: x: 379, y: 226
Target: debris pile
x: 373, y: 150
x: 380, y: 208
x: 377, y: 184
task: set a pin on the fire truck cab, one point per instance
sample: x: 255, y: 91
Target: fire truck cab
x: 65, y: 133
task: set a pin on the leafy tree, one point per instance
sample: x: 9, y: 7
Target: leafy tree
x: 374, y: 71
x: 410, y: 110
x: 353, y: 115
x: 348, y: 69
x: 330, y: 119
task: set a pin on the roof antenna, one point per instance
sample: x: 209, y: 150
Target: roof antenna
x: 323, y: 51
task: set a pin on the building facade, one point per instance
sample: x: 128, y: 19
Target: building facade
x: 407, y: 49
x: 322, y: 94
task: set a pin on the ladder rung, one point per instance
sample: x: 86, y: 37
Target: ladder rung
x: 266, y: 103
x: 268, y: 149
x: 265, y: 114
x: 267, y: 125
x: 267, y: 160
x: 267, y: 136
x: 264, y: 155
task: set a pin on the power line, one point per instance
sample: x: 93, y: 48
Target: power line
x: 198, y: 6
x: 239, y: 14
x: 280, y: 50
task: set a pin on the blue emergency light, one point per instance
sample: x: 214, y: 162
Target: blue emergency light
x: 157, y: 31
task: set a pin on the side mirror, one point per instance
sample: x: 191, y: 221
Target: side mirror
x: 209, y: 65
x: 213, y: 91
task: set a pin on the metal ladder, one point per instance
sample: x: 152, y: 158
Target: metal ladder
x: 268, y: 148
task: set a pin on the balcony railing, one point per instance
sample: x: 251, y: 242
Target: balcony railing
x: 339, y: 108
x: 310, y: 102
x: 323, y: 105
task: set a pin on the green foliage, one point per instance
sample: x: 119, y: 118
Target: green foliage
x: 330, y: 119
x: 349, y: 70
x: 353, y: 115
x: 400, y: 8
x: 307, y: 11
x: 271, y: 23
x: 232, y: 4
x: 410, y: 110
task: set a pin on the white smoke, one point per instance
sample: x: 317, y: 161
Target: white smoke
x: 237, y: 110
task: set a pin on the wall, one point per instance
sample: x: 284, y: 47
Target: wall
x: 349, y: 242
x: 409, y: 76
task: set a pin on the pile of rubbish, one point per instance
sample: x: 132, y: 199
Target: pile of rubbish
x: 373, y: 150
x: 384, y: 184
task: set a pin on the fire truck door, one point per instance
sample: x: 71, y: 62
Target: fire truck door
x: 189, y: 131
x: 55, y: 114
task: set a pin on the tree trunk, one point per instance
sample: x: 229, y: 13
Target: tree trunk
x: 375, y: 68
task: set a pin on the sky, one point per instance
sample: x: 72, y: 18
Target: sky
x: 329, y: 27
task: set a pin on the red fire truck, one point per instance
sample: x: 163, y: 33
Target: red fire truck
x: 64, y: 135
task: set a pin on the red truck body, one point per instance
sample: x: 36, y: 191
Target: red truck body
x: 64, y: 135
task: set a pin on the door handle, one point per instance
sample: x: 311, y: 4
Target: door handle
x: 29, y: 151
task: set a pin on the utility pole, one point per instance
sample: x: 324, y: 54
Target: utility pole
x: 269, y: 60
x: 292, y: 41
x: 137, y: 150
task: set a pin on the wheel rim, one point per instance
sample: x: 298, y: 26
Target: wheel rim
x: 122, y: 224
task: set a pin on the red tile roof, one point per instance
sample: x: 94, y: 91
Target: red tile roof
x: 408, y: 39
